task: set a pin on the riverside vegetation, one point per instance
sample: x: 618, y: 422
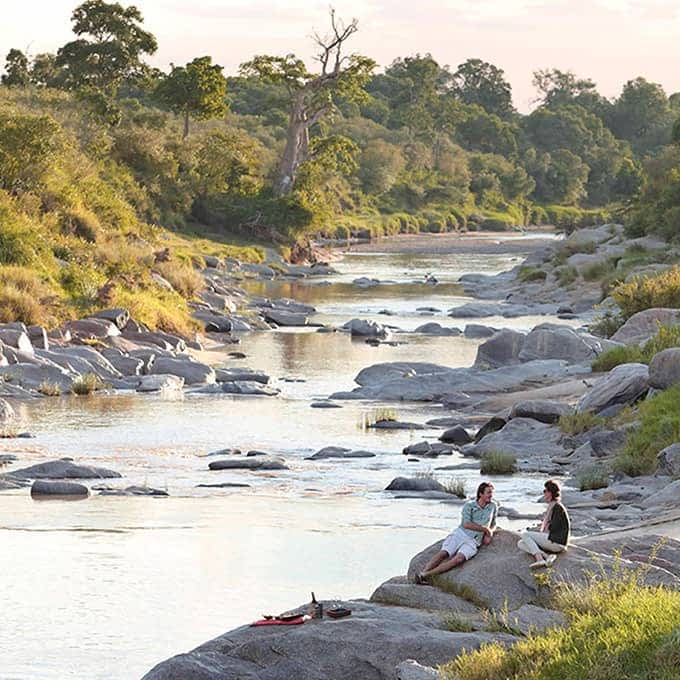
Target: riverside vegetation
x: 104, y: 166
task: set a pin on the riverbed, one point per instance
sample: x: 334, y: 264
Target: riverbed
x: 109, y: 586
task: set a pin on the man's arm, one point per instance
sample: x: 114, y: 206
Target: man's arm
x: 477, y: 527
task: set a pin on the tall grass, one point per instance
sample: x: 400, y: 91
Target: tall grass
x: 498, y: 463
x: 646, y: 292
x: 618, y: 629
x: 659, y: 427
x: 576, y: 423
x: 668, y: 336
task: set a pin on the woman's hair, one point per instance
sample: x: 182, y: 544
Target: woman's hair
x: 482, y: 488
x: 554, y: 489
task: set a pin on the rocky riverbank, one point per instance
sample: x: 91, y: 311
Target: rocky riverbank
x: 516, y: 400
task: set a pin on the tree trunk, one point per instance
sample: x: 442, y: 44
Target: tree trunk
x: 186, y: 124
x: 297, y: 145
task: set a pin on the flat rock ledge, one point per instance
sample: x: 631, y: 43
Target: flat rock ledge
x: 369, y: 644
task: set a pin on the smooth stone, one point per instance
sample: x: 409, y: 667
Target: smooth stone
x: 456, y: 435
x: 668, y: 460
x: 501, y: 349
x: 434, y: 328
x: 414, y: 484
x: 522, y: 437
x: 32, y: 376
x: 131, y: 491
x: 531, y: 620
x: 42, y: 488
x: 98, y: 329
x: 118, y: 316
x: 624, y: 384
x: 160, y: 383
x: 552, y: 341
x: 240, y: 375
x: 223, y: 485
x: 664, y: 368
x: 412, y: 670
x: 365, y: 328
x: 645, y: 325
x: 399, y: 591
x: 339, y: 452
x: 395, y: 425
x: 64, y: 468
x: 249, y: 463
x: 284, y: 318
x: 193, y: 372
x: 543, y: 410
x: 475, y: 330
x: 222, y: 452
x: 324, y: 404
x: 16, y: 338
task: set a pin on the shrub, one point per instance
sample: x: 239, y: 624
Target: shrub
x: 576, y: 423
x: 618, y: 629
x: 81, y: 223
x: 86, y: 384
x: 606, y: 325
x: 659, y: 427
x: 566, y: 275
x: 594, y: 477
x: 455, y: 624
x: 21, y: 295
x: 599, y: 270
x: 49, y: 389
x: 498, y: 463
x: 182, y: 277
x: 455, y: 486
x: 646, y: 292
x: 528, y: 274
x: 667, y: 337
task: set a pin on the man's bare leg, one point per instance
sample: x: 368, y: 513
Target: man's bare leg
x: 443, y: 565
x: 436, y: 560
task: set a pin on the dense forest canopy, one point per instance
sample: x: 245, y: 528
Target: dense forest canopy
x: 283, y: 148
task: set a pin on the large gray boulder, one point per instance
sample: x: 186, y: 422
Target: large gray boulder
x: 118, y: 315
x: 499, y: 578
x: 43, y: 488
x: 552, y: 341
x: 32, y: 376
x: 240, y: 375
x: 160, y: 383
x: 434, y: 328
x: 64, y: 468
x: 283, y: 317
x: 624, y: 384
x: 669, y: 460
x: 412, y: 670
x: 364, y: 328
x: 664, y: 368
x: 16, y: 338
x: 543, y: 410
x: 367, y: 645
x: 645, y: 325
x: 414, y: 484
x: 531, y: 620
x: 91, y: 328
x: 525, y: 438
x: 501, y: 349
x: 193, y: 372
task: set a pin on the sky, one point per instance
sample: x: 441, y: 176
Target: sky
x: 609, y: 41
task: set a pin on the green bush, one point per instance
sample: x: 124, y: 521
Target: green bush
x: 594, y: 477
x: 659, y: 427
x: 617, y: 629
x: 576, y: 423
x: 528, y: 274
x: 498, y: 463
x: 647, y: 292
x: 667, y: 337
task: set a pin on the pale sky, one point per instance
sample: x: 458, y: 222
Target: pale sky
x: 610, y: 41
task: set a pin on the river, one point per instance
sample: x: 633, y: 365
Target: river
x: 107, y: 587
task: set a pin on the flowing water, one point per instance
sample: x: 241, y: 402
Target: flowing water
x: 107, y: 587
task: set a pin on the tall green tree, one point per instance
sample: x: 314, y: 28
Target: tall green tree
x: 312, y: 96
x: 110, y: 46
x: 45, y: 72
x: 16, y: 69
x: 478, y: 82
x: 196, y: 90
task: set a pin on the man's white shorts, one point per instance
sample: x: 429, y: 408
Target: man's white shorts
x: 459, y: 542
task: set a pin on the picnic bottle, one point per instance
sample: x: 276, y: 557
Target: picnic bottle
x: 311, y: 610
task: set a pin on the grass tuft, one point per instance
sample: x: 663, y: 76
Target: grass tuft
x: 454, y: 624
x: 576, y: 423
x: 87, y: 384
x: 668, y: 336
x: 498, y: 463
x: 49, y: 388
x: 455, y: 486
x: 593, y: 477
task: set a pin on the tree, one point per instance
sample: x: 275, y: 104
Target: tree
x: 642, y: 115
x: 45, y: 72
x: 379, y: 166
x: 557, y: 88
x: 16, y: 69
x: 197, y: 90
x: 480, y: 131
x: 109, y: 49
x: 312, y: 95
x: 478, y: 82
x: 560, y: 176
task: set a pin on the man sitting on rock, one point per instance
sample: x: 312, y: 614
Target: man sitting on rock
x: 477, y: 524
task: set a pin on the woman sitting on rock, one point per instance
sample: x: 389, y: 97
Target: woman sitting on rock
x: 553, y: 536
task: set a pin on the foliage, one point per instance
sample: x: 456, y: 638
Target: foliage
x: 109, y: 47
x: 593, y: 477
x: 478, y: 82
x: 643, y: 293
x: 196, y: 90
x: 454, y: 624
x: 528, y: 274
x: 455, y: 486
x: 667, y: 337
x: 49, y: 388
x: 86, y: 384
x: 16, y: 69
x: 617, y: 628
x: 659, y: 427
x: 498, y: 463
x: 576, y: 423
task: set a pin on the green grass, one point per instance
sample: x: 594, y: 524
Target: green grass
x: 668, y: 336
x: 498, y: 463
x: 594, y: 477
x: 528, y: 274
x: 599, y: 270
x: 454, y: 624
x: 576, y: 423
x: 659, y: 427
x: 617, y: 630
